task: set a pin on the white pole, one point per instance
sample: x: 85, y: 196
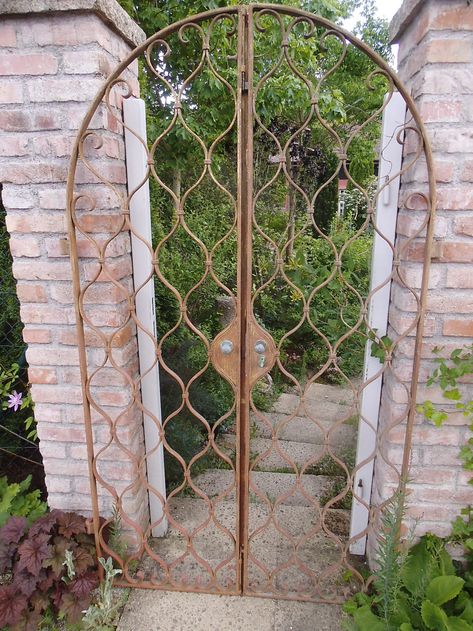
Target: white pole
x: 381, y: 269
x: 140, y: 217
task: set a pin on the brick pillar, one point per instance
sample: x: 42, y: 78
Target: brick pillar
x: 435, y: 40
x: 53, y: 58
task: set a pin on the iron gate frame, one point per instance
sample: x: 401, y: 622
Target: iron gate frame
x: 244, y: 15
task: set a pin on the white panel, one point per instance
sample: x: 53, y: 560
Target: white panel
x: 140, y: 217
x: 381, y: 269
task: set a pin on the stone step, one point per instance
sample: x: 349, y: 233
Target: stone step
x: 192, y: 513
x: 287, y: 488
x: 319, y: 408
x: 270, y: 458
x: 301, y: 429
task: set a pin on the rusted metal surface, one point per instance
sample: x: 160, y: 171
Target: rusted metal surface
x: 237, y: 536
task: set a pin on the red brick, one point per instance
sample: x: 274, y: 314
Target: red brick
x: 32, y: 64
x: 11, y: 146
x: 95, y: 62
x: 46, y: 314
x: 448, y: 51
x: 459, y: 277
x: 42, y: 375
x: 53, y: 146
x: 36, y: 336
x: 11, y: 92
x: 35, y: 222
x: 17, y: 197
x: 456, y: 198
x: 59, y: 270
x: 16, y: 120
x: 448, y: 302
x: 457, y: 327
x: 105, y: 316
x: 441, y: 111
x: 455, y: 252
x: 62, y: 90
x: 7, y: 34
x: 56, y: 484
x: 467, y: 171
x: 25, y: 246
x: 53, y: 449
x: 101, y: 223
x: 454, y: 18
x: 32, y: 172
x: 68, y: 337
x: 57, y: 394
x: 77, y: 29
x: 28, y: 292
x: 111, y: 270
x: 463, y: 225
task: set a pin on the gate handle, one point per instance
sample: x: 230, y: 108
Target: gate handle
x: 226, y: 347
x: 261, y: 347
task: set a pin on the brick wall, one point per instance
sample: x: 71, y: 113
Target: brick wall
x: 51, y: 66
x: 436, y: 64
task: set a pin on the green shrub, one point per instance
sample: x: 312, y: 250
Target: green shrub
x: 15, y: 500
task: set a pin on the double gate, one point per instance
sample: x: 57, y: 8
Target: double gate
x: 263, y: 306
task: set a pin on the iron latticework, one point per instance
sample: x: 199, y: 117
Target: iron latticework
x: 230, y: 527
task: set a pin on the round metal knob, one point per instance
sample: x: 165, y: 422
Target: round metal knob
x: 226, y: 347
x: 260, y: 346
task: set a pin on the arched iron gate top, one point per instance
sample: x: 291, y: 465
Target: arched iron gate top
x: 242, y: 12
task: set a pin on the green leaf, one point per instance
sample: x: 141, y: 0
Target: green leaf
x: 367, y: 621
x: 406, y: 626
x: 434, y: 617
x: 444, y: 588
x: 457, y: 624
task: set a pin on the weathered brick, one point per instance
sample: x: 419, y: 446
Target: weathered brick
x: 36, y: 222
x: 449, y: 51
x: 42, y: 375
x: 58, y: 270
x: 460, y: 277
x: 7, y: 34
x: 57, y: 394
x: 31, y: 64
x: 58, y: 484
x: 25, y: 246
x: 459, y: 18
x: 29, y: 292
x: 58, y: 90
x: 458, y: 327
x: 459, y: 252
x: 36, y: 336
x: 46, y: 314
x: 441, y: 111
x: 11, y: 92
x: 95, y: 62
x: 12, y: 146
x: 52, y: 356
x: 38, y: 120
x: 32, y: 172
x: 463, y: 225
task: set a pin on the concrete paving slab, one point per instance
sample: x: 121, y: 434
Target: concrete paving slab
x: 151, y: 610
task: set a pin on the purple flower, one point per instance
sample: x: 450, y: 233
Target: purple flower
x: 15, y: 400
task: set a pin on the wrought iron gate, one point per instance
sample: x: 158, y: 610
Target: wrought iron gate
x: 257, y: 504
